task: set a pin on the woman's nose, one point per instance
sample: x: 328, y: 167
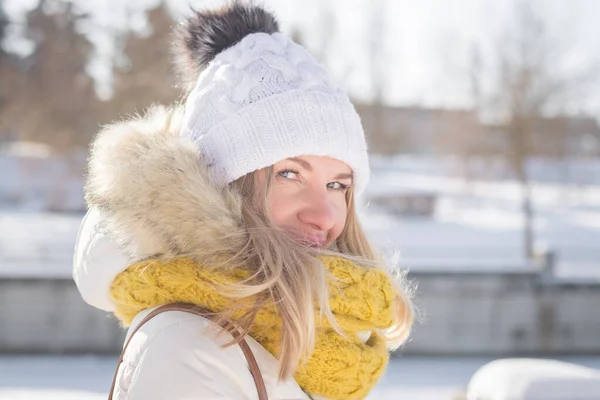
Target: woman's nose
x: 318, y: 212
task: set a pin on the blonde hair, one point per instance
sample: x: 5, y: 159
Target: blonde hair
x: 291, y: 276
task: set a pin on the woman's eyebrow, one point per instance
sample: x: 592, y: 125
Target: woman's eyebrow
x: 305, y: 164
x: 344, y: 176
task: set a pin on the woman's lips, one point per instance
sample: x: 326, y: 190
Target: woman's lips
x: 312, y: 240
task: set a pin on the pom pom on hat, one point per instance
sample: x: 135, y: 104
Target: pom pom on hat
x: 201, y: 37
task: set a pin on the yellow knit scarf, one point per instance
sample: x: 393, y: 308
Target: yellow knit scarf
x: 361, y: 299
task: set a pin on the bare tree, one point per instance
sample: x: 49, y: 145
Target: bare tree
x: 50, y: 96
x: 146, y: 75
x: 377, y: 78
x: 4, y: 23
x: 520, y: 83
x: 6, y: 67
x: 11, y: 75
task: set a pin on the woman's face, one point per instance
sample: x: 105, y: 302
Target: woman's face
x: 307, y: 198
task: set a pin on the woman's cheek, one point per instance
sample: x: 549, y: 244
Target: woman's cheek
x: 281, y: 205
x: 341, y: 216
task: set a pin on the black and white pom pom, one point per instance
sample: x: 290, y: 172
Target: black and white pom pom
x: 205, y: 34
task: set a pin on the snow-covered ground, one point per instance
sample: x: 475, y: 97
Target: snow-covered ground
x: 88, y: 377
x: 476, y: 224
x: 37, y: 244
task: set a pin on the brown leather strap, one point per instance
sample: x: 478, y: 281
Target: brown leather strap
x: 191, y: 308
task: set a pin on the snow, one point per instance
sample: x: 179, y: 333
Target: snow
x: 525, y: 378
x: 37, y: 244
x: 89, y: 377
x: 49, y: 394
x: 34, y: 179
x: 476, y: 225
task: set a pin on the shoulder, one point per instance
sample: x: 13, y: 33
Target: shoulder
x: 96, y: 261
x: 173, y: 332
x: 178, y: 355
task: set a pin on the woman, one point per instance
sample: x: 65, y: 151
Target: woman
x: 242, y: 202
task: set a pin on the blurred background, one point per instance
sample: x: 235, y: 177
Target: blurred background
x: 482, y: 118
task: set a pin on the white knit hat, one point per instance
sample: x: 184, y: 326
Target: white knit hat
x: 265, y: 98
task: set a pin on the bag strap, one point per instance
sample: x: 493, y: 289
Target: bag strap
x: 193, y: 309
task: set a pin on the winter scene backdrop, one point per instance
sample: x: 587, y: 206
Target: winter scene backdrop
x: 482, y: 119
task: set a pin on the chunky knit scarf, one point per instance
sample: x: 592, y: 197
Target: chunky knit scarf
x: 361, y: 299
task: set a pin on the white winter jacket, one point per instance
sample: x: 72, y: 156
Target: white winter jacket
x: 176, y: 355
x: 156, y: 197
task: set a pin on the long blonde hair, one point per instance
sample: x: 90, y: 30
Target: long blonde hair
x: 291, y: 276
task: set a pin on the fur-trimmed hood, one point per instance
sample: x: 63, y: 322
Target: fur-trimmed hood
x: 149, y: 194
x: 156, y: 192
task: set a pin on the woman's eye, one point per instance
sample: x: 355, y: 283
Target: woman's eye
x: 288, y: 174
x: 337, y: 186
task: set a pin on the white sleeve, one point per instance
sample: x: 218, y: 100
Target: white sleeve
x: 180, y: 362
x: 96, y: 261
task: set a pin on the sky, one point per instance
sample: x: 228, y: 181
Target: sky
x: 426, y: 44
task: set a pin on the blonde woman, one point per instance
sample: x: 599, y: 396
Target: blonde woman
x: 239, y: 208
